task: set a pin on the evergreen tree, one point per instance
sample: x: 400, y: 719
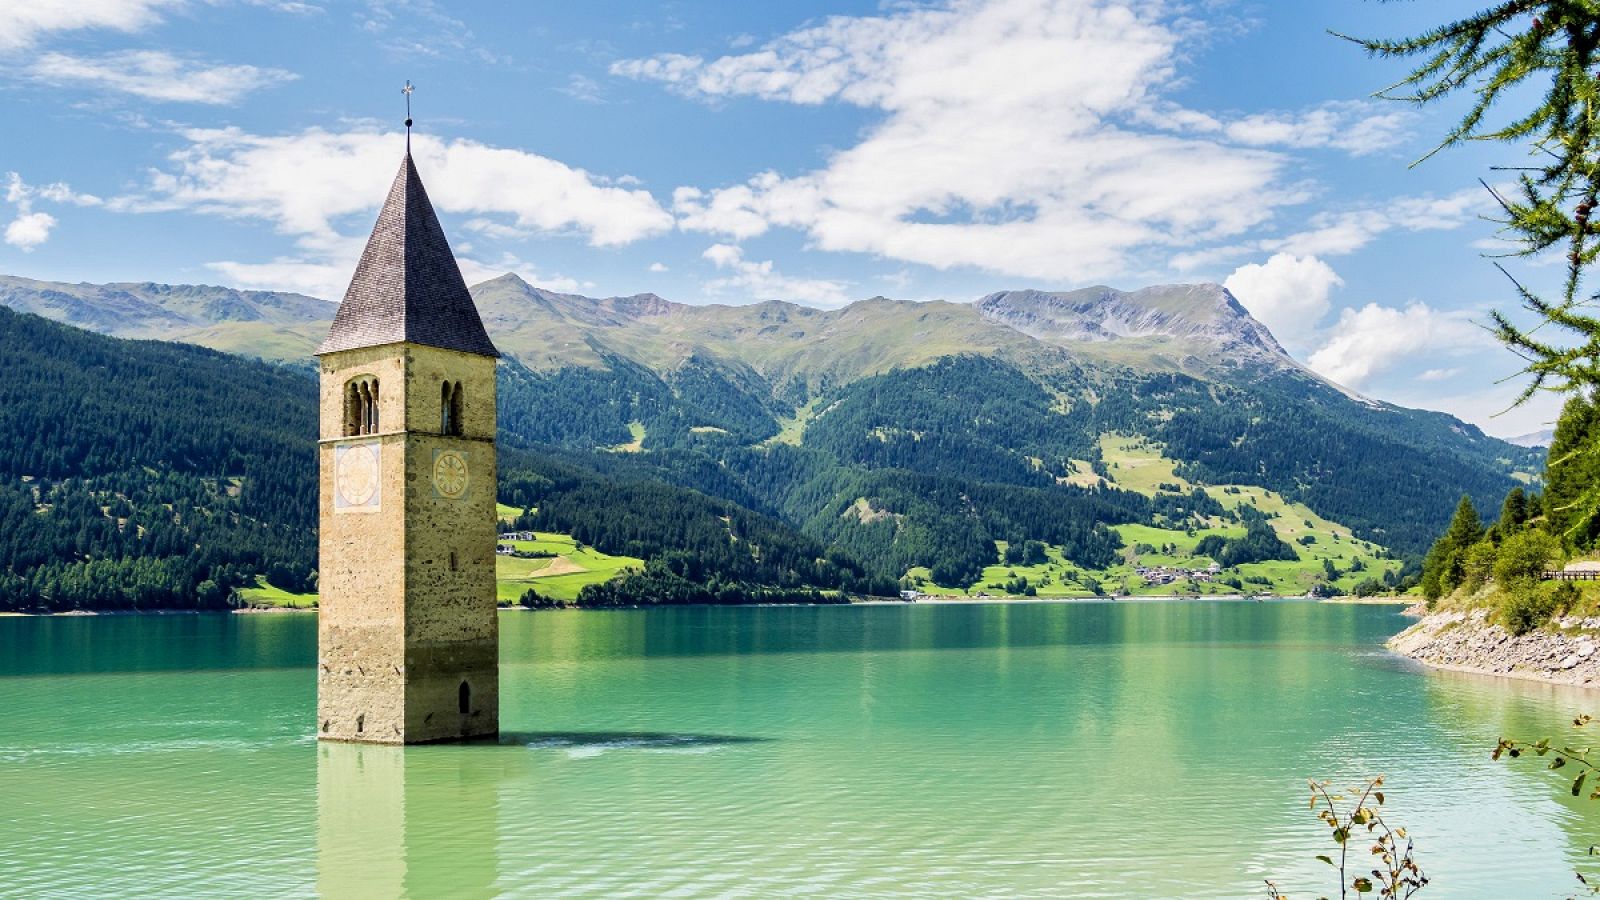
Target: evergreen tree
x: 1571, y: 510
x: 1445, y: 567
x: 1514, y: 510
x: 1542, y: 55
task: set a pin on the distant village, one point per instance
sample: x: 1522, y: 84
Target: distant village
x: 1168, y: 575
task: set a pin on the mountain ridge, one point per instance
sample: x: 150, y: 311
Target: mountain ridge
x: 772, y: 405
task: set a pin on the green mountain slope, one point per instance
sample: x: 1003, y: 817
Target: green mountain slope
x: 145, y: 474
x: 916, y: 434
x: 137, y: 473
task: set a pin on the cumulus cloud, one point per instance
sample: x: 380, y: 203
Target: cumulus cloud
x: 1288, y: 293
x: 1374, y: 339
x: 23, y: 21
x: 1014, y: 136
x: 321, y: 187
x: 29, y: 229
x: 761, y: 281
x: 157, y: 75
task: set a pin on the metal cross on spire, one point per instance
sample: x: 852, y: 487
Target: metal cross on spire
x: 407, y: 91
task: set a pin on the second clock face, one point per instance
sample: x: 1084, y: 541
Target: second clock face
x: 450, y: 475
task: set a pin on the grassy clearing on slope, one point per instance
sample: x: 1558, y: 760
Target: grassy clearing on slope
x: 636, y: 429
x: 793, y: 429
x: 560, y: 577
x: 267, y: 595
x: 1137, y: 465
x: 1083, y: 474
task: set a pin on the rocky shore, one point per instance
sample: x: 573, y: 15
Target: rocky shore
x: 1565, y: 652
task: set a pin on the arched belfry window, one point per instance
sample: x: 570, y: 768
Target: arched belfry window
x: 450, y: 408
x: 361, y: 406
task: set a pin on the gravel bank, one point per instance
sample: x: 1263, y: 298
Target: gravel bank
x: 1467, y: 642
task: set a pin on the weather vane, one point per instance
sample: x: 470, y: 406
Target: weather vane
x: 407, y: 91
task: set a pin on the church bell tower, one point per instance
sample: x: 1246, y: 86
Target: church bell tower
x: 407, y: 637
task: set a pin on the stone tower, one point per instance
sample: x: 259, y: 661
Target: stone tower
x: 407, y: 635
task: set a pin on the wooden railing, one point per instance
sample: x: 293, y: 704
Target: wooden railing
x: 1573, y: 575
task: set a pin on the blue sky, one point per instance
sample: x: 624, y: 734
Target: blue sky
x: 811, y: 151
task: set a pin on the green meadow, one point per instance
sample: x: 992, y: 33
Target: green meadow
x: 559, y: 577
x: 1138, y: 465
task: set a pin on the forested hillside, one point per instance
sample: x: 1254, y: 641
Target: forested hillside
x: 143, y: 474
x: 886, y: 439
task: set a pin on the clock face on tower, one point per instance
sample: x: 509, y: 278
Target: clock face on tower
x: 450, y: 476
x: 355, y: 477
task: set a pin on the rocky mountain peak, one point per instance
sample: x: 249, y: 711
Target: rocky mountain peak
x: 1204, y: 317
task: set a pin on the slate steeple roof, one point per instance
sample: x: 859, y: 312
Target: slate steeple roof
x: 407, y: 286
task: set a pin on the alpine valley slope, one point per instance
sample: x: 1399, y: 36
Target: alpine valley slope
x: 925, y: 436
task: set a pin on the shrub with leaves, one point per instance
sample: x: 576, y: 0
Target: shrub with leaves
x: 1356, y: 817
x: 1580, y: 760
x: 1524, y: 556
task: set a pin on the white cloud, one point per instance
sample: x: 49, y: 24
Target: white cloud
x: 475, y: 271
x: 24, y: 21
x: 1371, y: 340
x: 1439, y: 374
x: 157, y: 75
x: 1345, y: 231
x: 322, y: 187
x: 29, y: 230
x: 1288, y: 293
x: 1006, y: 142
x: 1489, y: 406
x: 584, y: 88
x: 330, y: 277
x: 327, y: 280
x: 760, y: 281
x: 1356, y: 127
x: 658, y: 267
x: 1338, y: 233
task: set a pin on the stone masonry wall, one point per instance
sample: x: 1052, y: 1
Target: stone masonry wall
x: 400, y: 630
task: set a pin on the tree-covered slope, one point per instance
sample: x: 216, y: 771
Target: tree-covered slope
x: 136, y: 473
x: 784, y: 409
x: 144, y: 474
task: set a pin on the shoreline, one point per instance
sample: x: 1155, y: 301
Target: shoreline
x: 1466, y: 641
x: 883, y: 601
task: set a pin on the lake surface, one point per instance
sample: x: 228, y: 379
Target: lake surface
x: 1092, y: 750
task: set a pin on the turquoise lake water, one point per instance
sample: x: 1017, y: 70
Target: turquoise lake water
x: 1088, y: 750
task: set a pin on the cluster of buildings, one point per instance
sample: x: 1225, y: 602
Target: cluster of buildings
x: 1168, y: 575
x: 510, y: 549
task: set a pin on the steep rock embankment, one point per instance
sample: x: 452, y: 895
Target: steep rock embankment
x: 1465, y: 641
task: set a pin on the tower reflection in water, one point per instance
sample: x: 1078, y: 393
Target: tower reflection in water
x: 417, y: 822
